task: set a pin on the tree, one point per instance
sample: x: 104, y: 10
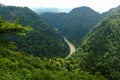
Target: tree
x: 7, y: 29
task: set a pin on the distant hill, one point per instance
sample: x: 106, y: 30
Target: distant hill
x: 43, y: 40
x: 75, y: 24
x: 53, y: 10
x: 100, y: 49
x: 54, y: 19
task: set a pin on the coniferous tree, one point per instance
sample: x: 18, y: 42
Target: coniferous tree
x: 7, y: 29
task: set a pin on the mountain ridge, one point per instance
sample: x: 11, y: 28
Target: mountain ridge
x: 100, y: 48
x: 43, y: 40
x: 75, y: 24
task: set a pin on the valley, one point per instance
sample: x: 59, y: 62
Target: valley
x: 80, y: 45
x: 75, y: 24
x: 43, y: 40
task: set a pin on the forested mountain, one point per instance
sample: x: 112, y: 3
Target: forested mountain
x: 43, y: 40
x: 54, y: 19
x: 74, y: 25
x: 97, y: 58
x: 111, y: 11
x: 100, y: 49
x: 18, y: 66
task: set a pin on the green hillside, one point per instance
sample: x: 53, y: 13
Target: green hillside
x: 54, y: 19
x: 111, y: 11
x: 75, y: 24
x: 18, y: 66
x: 100, y: 49
x: 37, y: 51
x: 43, y: 40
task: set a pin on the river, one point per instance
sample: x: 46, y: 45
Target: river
x: 71, y: 46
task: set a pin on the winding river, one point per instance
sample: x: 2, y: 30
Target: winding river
x: 71, y: 46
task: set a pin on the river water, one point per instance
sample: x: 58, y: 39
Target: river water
x: 71, y: 46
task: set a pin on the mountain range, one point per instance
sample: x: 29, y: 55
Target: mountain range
x: 53, y: 10
x: 75, y: 24
x: 40, y: 55
x: 43, y: 40
x: 98, y: 49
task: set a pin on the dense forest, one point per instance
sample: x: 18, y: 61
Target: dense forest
x: 17, y: 66
x: 100, y: 49
x: 32, y: 49
x: 111, y: 11
x: 43, y: 40
x: 75, y: 24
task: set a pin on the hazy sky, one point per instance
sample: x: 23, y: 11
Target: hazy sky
x: 98, y: 5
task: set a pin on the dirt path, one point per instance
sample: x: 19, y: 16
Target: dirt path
x: 71, y: 46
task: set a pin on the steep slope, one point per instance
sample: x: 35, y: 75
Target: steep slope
x: 100, y: 50
x: 111, y: 11
x: 54, y: 19
x: 17, y: 66
x: 76, y: 24
x: 43, y: 40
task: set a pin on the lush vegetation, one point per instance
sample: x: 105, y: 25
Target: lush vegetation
x: 54, y: 19
x: 111, y: 11
x: 17, y: 66
x: 43, y: 40
x: 100, y: 49
x: 8, y: 29
x: 74, y: 25
x: 97, y: 58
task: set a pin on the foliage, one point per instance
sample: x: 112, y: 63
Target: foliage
x: 7, y: 29
x: 16, y: 66
x: 100, y: 49
x: 43, y: 40
x: 75, y: 24
x: 54, y: 19
x: 96, y: 59
x: 112, y: 11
